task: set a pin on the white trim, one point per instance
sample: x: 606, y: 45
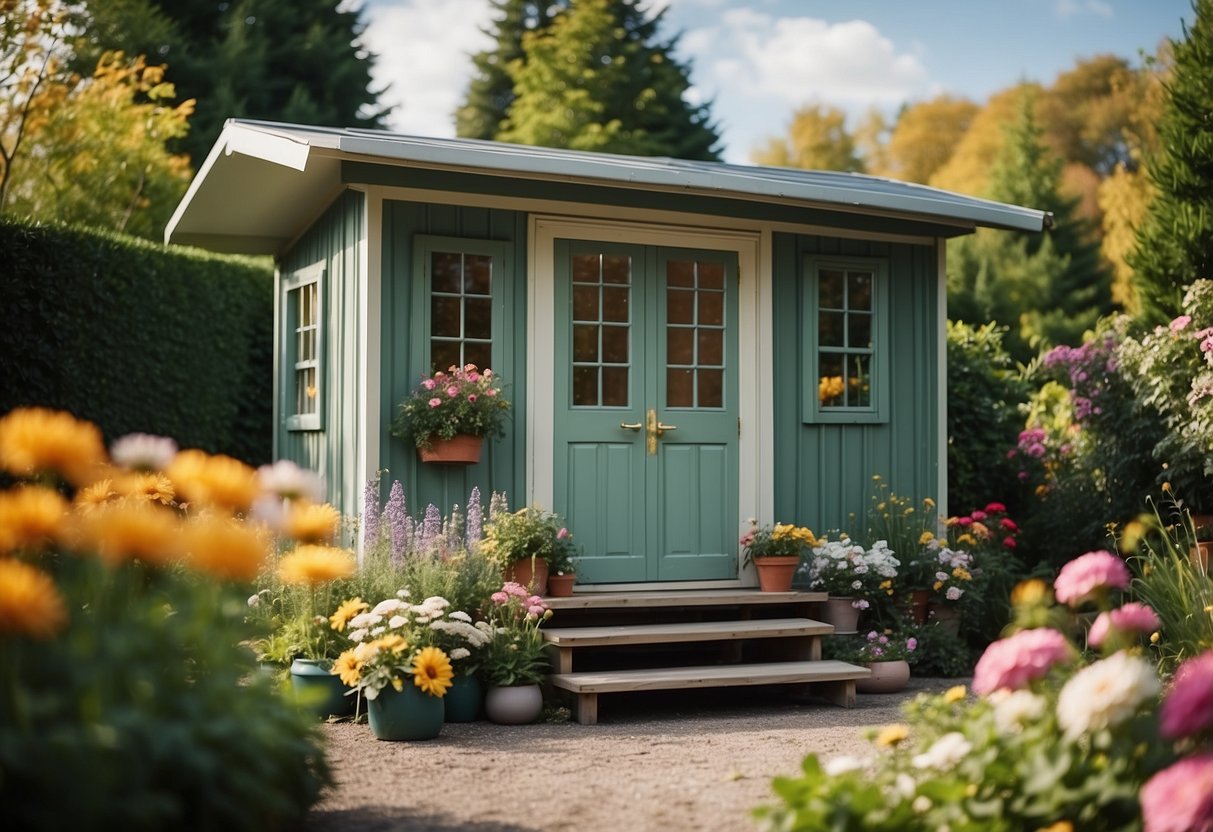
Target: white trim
x: 370, y: 265
x: 313, y: 273
x: 755, y: 446
x: 276, y: 378
x: 941, y: 357
x: 269, y: 147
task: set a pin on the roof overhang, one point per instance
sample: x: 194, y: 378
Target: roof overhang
x: 263, y: 182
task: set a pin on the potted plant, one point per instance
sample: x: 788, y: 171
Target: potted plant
x: 515, y: 660
x: 850, y: 574
x: 775, y: 552
x: 886, y: 654
x: 562, y: 573
x: 524, y: 543
x: 463, y: 641
x: 449, y: 413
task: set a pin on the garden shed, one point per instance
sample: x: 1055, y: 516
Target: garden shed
x: 686, y: 345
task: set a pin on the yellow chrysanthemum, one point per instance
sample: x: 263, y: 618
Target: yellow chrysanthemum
x: 348, y: 609
x: 30, y: 603
x: 226, y: 548
x: 349, y: 667
x: 391, y: 643
x: 925, y: 538
x: 150, y: 486
x: 891, y: 735
x: 954, y: 694
x: 311, y: 522
x: 1030, y: 593
x: 315, y: 565
x: 30, y: 518
x: 126, y: 530
x: 962, y: 574
x: 218, y: 481
x: 34, y: 440
x: 966, y: 539
x: 432, y: 671
x: 95, y: 495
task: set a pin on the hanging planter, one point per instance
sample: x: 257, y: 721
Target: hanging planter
x: 463, y: 449
x: 448, y: 415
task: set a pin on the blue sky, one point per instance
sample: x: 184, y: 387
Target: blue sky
x: 759, y: 60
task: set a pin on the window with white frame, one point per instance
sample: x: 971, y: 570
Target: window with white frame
x: 303, y: 347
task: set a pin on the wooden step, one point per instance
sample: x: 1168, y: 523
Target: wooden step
x: 837, y: 681
x: 807, y: 631
x: 677, y: 598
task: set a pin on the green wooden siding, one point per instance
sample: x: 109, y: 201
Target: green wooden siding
x: 503, y: 466
x: 332, y: 451
x: 823, y: 472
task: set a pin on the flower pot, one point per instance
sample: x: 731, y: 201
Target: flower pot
x: 920, y: 600
x: 405, y: 714
x: 887, y: 677
x: 514, y: 705
x: 530, y: 572
x: 463, y: 699
x: 318, y: 689
x: 1200, y: 555
x: 561, y: 586
x: 842, y: 614
x: 775, y: 572
x: 945, y: 617
x: 461, y: 449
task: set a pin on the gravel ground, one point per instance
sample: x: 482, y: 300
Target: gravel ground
x: 679, y: 760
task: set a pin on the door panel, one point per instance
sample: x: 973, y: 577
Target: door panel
x: 602, y: 481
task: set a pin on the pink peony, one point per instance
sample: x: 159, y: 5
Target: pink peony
x: 979, y: 516
x: 429, y: 384
x: 996, y: 508
x: 1015, y: 661
x: 911, y: 644
x: 452, y: 391
x: 1188, y: 708
x: 1009, y: 542
x: 964, y: 521
x: 1008, y: 524
x: 1180, y: 798
x: 435, y: 402
x: 1132, y: 618
x: 1087, y: 575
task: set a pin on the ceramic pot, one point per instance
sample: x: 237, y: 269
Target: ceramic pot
x: 887, y: 677
x: 531, y: 573
x: 775, y: 573
x: 463, y: 699
x: 461, y: 449
x: 561, y: 586
x: 320, y: 690
x: 405, y: 714
x: 945, y: 617
x: 515, y: 705
x: 841, y: 613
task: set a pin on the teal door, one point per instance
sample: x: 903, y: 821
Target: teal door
x: 645, y: 394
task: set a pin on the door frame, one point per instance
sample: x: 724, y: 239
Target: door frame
x: 755, y: 445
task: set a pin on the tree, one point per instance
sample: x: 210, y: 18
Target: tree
x: 817, y: 139
x: 968, y: 169
x: 925, y: 136
x: 490, y: 93
x: 598, y: 79
x: 1088, y: 111
x: 1175, y: 243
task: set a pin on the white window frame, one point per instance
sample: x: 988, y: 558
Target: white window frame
x: 294, y: 283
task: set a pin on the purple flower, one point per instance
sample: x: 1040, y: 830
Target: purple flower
x: 398, y: 522
x: 431, y: 528
x: 370, y: 514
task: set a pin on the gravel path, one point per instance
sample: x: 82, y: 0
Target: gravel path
x: 685, y: 760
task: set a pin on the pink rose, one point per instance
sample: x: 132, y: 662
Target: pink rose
x: 979, y: 516
x: 435, y: 402
x: 429, y: 384
x: 471, y: 397
x: 562, y: 534
x: 1188, y: 708
x: 911, y: 644
x: 1130, y: 619
x: 1009, y: 542
x: 473, y: 377
x: 1180, y: 798
x: 996, y: 508
x: 1015, y: 661
x: 452, y: 391
x: 1088, y: 575
x: 1008, y: 524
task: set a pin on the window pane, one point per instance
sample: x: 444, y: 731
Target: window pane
x: 307, y: 300
x: 859, y: 330
x: 585, y: 268
x: 478, y: 274
x: 859, y: 381
x: 711, y: 308
x: 615, y: 304
x: 309, y: 390
x: 585, y: 303
x: 585, y: 386
x: 614, y: 386
x: 711, y: 276
x: 829, y: 329
x: 444, y: 317
x: 307, y: 346
x: 479, y: 318
x: 829, y: 383
x: 711, y: 388
x: 680, y: 306
x: 444, y: 354
x: 711, y: 348
x: 616, y: 269
x: 680, y: 273
x: 445, y: 271
x: 859, y: 290
x: 680, y: 346
x: 585, y: 342
x: 480, y: 354
x: 679, y: 388
x: 830, y: 289
x: 615, y: 344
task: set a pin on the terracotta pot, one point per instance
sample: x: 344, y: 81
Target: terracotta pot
x: 775, y: 573
x: 516, y: 705
x: 1200, y: 555
x: 887, y: 677
x: 459, y: 450
x: 561, y: 586
x: 530, y: 572
x: 1203, y: 525
x: 919, y: 601
x: 841, y: 613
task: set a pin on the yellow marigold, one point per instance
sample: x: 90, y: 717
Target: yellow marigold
x: 311, y: 522
x: 226, y: 548
x: 150, y: 486
x: 962, y: 574
x: 432, y: 671
x: 128, y: 529
x: 925, y: 538
x: 954, y: 694
x: 30, y: 603
x: 967, y: 539
x: 891, y: 735
x: 30, y: 518
x: 34, y: 440
x: 315, y: 565
x: 95, y: 495
x: 347, y: 610
x: 349, y: 667
x: 218, y: 481
x: 1030, y: 593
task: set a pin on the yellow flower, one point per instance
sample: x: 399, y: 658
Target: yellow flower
x: 980, y: 530
x: 966, y: 539
x: 153, y: 487
x: 432, y: 671
x: 928, y: 503
x: 961, y: 573
x: 312, y: 523
x: 218, y: 481
x: 886, y: 584
x: 34, y: 440
x: 95, y: 495
x: 1030, y: 593
x: 1154, y: 637
x: 226, y: 548
x: 891, y: 735
x: 925, y: 538
x: 829, y: 387
x: 315, y: 565
x: 954, y: 694
x: 393, y: 642
x: 30, y: 603
x: 349, y: 667
x: 348, y: 609
x: 30, y: 518
x: 937, y: 585
x: 1059, y: 826
x: 126, y: 530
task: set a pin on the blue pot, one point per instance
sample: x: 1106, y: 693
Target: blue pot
x: 405, y: 714
x: 320, y: 690
x: 463, y: 699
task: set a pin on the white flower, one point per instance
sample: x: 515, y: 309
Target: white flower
x: 921, y: 804
x: 357, y: 635
x: 460, y: 615
x: 378, y: 631
x: 1105, y: 694
x: 944, y: 753
x: 941, y: 576
x: 843, y: 764
x: 397, y: 621
x: 402, y: 593
x: 389, y: 606
x: 254, y: 600
x: 954, y: 593
x: 290, y: 482
x: 365, y: 620
x: 905, y: 785
x: 1014, y: 710
x: 856, y: 584
x: 460, y: 653
x: 143, y: 452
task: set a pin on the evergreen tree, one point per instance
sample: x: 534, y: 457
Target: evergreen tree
x: 491, y: 90
x: 598, y: 79
x: 1175, y: 243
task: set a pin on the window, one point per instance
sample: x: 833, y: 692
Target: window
x: 303, y: 347
x: 462, y: 295
x: 846, y: 343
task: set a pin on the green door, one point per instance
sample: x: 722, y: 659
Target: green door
x: 646, y: 410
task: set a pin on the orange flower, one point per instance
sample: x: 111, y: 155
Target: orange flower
x: 225, y: 548
x: 311, y: 523
x: 30, y: 518
x: 315, y: 565
x: 34, y: 440
x: 30, y: 603
x: 154, y: 487
x: 218, y: 481
x: 129, y: 530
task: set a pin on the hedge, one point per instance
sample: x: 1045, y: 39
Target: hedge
x: 137, y: 337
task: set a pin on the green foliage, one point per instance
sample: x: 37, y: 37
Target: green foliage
x: 941, y: 653
x: 466, y: 579
x: 458, y: 401
x: 517, y: 653
x: 137, y: 338
x: 529, y: 532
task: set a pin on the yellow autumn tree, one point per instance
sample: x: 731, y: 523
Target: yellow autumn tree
x: 968, y: 169
x: 817, y: 139
x: 925, y: 136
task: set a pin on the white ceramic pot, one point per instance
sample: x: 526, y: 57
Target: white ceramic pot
x: 887, y: 677
x: 516, y: 705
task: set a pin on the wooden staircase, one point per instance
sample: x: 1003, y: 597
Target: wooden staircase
x: 747, y: 637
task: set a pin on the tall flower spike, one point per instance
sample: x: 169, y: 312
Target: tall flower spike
x: 370, y: 514
x: 400, y: 527
x: 475, y: 524
x: 431, y: 528
x: 497, y: 503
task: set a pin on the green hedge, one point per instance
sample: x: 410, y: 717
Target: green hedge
x: 136, y: 337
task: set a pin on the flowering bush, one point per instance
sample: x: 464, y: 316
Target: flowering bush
x: 904, y: 526
x: 462, y: 400
x: 876, y: 646
x: 845, y: 569
x: 780, y: 540
x: 516, y: 654
x: 530, y: 532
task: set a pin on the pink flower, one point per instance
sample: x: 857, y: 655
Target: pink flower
x: 1009, y: 542
x: 1180, y: 322
x: 471, y: 397
x: 1088, y: 575
x: 1180, y: 798
x: 435, y: 402
x: 452, y: 391
x: 491, y: 391
x: 979, y: 515
x: 964, y: 521
x: 429, y: 384
x: 499, y: 597
x: 1132, y: 618
x: 911, y: 644
x: 996, y: 508
x: 562, y: 534
x: 1188, y: 708
x: 473, y: 377
x: 534, y: 600
x: 1008, y: 524
x: 469, y: 368
x: 1015, y: 661
x: 747, y: 538
x: 514, y: 588
x: 536, y: 611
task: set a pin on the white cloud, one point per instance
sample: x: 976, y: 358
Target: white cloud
x: 423, y: 51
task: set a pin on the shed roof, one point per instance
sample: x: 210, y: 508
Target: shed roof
x: 263, y: 181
